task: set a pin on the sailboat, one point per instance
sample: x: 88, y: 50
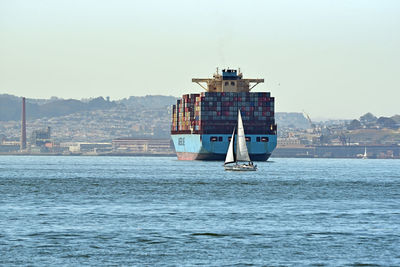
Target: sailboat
x: 242, y: 154
x: 365, y: 153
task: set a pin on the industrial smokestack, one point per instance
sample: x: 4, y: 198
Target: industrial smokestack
x: 23, y: 126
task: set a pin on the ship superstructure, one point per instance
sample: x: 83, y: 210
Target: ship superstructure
x: 202, y: 123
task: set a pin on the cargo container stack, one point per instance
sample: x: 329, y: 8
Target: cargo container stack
x: 208, y: 113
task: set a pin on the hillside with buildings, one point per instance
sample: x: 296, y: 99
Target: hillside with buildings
x: 63, y: 126
x: 342, y: 138
x: 89, y: 121
x: 113, y: 125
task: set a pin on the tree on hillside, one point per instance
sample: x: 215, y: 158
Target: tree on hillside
x: 368, y: 118
x: 387, y: 122
x: 396, y: 118
x: 354, y: 124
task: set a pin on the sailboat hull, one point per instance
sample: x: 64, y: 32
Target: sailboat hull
x: 239, y: 167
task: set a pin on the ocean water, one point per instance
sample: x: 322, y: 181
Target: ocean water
x: 143, y: 211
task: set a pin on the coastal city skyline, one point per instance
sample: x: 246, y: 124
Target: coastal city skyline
x: 334, y: 60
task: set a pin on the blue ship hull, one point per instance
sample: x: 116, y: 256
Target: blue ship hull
x: 203, y: 146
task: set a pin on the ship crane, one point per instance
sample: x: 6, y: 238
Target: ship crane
x: 312, y: 125
x: 315, y: 128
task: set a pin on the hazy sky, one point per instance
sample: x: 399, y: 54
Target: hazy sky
x: 336, y: 59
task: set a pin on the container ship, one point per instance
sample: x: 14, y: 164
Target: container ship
x: 202, y: 124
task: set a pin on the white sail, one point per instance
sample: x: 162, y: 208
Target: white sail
x: 241, y: 149
x: 230, y: 157
x: 365, y: 153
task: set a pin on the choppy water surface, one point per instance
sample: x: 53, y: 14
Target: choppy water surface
x: 160, y: 211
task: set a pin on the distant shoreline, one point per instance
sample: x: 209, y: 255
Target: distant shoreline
x: 172, y: 156
x: 351, y: 151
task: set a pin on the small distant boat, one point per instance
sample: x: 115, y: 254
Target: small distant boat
x: 242, y: 154
x: 365, y: 153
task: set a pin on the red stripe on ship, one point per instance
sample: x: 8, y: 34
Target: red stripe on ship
x: 213, y: 156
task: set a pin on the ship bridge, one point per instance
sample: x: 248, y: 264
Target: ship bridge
x: 229, y: 81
